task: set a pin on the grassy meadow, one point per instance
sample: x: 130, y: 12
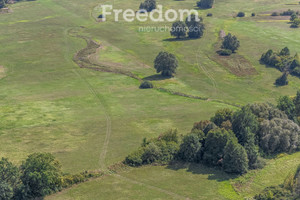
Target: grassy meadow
x: 90, y: 120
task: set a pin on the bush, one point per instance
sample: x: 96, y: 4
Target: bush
x: 152, y: 153
x: 241, y: 14
x: 209, y: 15
x: 253, y: 14
x: 275, y: 14
x: 230, y: 42
x: 205, y: 4
x: 221, y: 116
x: 148, y: 5
x: 135, y: 159
x: 225, y: 52
x: 282, y: 80
x: 146, y: 85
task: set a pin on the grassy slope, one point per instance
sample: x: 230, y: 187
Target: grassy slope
x: 48, y: 104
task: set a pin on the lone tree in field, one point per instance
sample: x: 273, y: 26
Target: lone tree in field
x: 230, y: 42
x: 166, y: 63
x: 205, y: 4
x: 195, y: 26
x: 148, y: 5
x: 178, y: 29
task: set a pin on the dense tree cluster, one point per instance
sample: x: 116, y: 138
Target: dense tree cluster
x: 234, y: 141
x: 39, y: 175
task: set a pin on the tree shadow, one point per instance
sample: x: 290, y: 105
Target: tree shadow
x: 214, y: 173
x: 179, y: 39
x: 156, y: 77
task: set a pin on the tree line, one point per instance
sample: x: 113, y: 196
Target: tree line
x: 235, y: 141
x: 39, y: 175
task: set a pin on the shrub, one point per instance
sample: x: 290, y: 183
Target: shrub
x: 253, y: 14
x: 152, y: 153
x: 225, y: 52
x: 209, y: 15
x: 275, y: 14
x: 241, y: 14
x: 146, y: 85
x: 205, y: 4
x: 190, y: 148
x: 135, y: 159
x: 289, y: 12
x: 295, y: 23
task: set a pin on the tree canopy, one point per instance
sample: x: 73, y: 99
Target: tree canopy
x: 166, y: 63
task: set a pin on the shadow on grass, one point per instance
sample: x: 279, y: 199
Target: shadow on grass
x: 179, y: 39
x: 214, y: 173
x: 156, y: 77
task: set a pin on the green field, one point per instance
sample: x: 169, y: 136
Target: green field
x: 92, y: 119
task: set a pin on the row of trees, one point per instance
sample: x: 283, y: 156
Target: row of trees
x: 39, y: 175
x: 235, y: 141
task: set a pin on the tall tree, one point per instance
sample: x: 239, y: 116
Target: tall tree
x: 286, y: 104
x: 230, y: 42
x: 148, y: 5
x: 166, y: 63
x: 178, y: 29
x: 205, y: 4
x: 195, y: 26
x: 235, y: 158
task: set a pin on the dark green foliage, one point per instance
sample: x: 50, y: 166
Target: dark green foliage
x: 275, y: 14
x: 296, y: 102
x: 274, y: 193
x: 244, y: 121
x: 214, y: 146
x: 190, y: 148
x: 287, y: 105
x: 251, y: 149
x: 222, y: 116
x: 241, y: 14
x: 41, y: 175
x: 282, y: 80
x: 152, y: 153
x: 295, y: 23
x: 279, y: 135
x: 209, y: 15
x: 148, y: 5
x: 224, y: 52
x: 166, y: 63
x: 195, y: 26
x: 253, y: 15
x: 266, y: 111
x: 9, y: 173
x: 135, y: 159
x: 235, y: 158
x: 146, y: 85
x: 205, y: 4
x: 289, y: 12
x: 285, y: 52
x: 170, y: 136
x: 6, y: 191
x: 230, y: 42
x: 178, y: 29
x: 293, y: 17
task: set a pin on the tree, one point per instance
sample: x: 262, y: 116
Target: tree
x: 297, y: 103
x: 279, y: 135
x: 195, y: 26
x: 166, y: 63
x: 146, y: 85
x: 178, y: 29
x: 235, y: 158
x: 222, y: 116
x: 293, y: 17
x: 2, y: 4
x: 148, y: 5
x: 241, y: 14
x: 41, y: 175
x: 286, y: 104
x: 244, y: 121
x: 282, y: 80
x: 285, y: 52
x: 190, y: 148
x: 214, y: 145
x: 230, y: 42
x: 205, y: 4
x: 296, y: 23
x: 251, y: 149
x: 9, y: 173
x: 266, y: 111
x: 152, y: 154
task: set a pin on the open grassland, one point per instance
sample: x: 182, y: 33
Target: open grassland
x: 90, y: 119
